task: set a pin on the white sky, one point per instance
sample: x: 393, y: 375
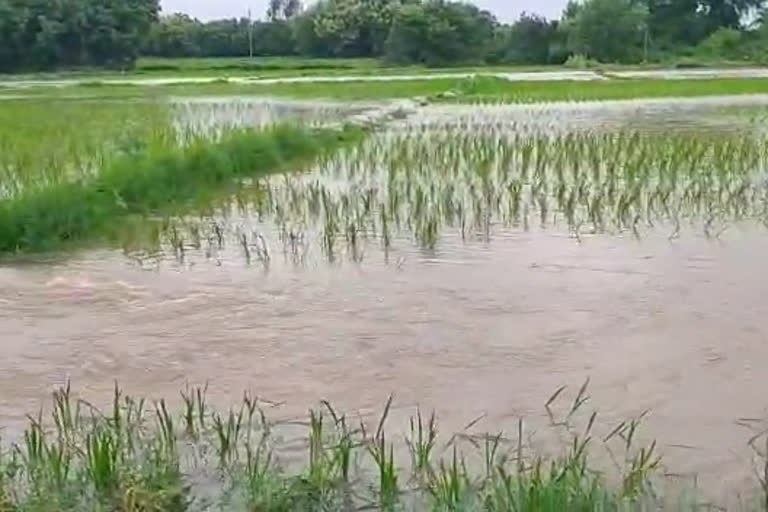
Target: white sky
x: 505, y: 10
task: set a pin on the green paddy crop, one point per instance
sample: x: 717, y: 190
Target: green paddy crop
x: 472, y: 183
x: 490, y: 89
x: 137, y: 455
x: 72, y: 171
x: 45, y: 143
x: 469, y: 89
x: 161, y: 178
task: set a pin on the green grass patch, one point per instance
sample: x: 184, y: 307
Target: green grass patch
x: 491, y: 89
x: 478, y: 89
x: 252, y: 65
x: 487, y: 89
x: 156, y: 177
x: 46, y: 142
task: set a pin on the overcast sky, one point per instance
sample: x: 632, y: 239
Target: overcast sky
x: 505, y: 10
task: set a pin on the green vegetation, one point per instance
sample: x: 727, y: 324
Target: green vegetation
x: 496, y: 90
x: 79, y: 34
x: 134, y: 456
x: 606, y: 30
x: 39, y: 34
x: 40, y: 148
x: 284, y: 66
x: 479, y: 89
x: 469, y: 179
x: 440, y: 33
x: 76, y: 192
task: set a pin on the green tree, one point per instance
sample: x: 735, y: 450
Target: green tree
x: 673, y: 23
x: 273, y: 38
x: 606, y: 30
x: 283, y: 9
x: 439, y: 33
x: 345, y: 28
x: 724, y: 43
x: 527, y: 41
x: 116, y: 30
x: 176, y: 35
x: 46, y: 34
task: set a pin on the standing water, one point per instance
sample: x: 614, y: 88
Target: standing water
x: 465, y: 260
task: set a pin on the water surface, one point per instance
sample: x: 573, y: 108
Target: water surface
x: 369, y: 274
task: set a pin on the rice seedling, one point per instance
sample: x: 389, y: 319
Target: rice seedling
x: 425, y: 182
x: 128, y: 458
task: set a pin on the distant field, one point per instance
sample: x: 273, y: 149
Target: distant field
x: 491, y: 89
x: 273, y: 67
x: 260, y: 67
x: 257, y: 65
x: 477, y: 89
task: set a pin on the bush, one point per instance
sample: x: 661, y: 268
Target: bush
x: 580, y: 61
x: 725, y: 43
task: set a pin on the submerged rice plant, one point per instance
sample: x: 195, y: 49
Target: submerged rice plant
x: 424, y: 183
x: 135, y: 455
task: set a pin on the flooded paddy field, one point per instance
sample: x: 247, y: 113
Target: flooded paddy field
x: 469, y: 260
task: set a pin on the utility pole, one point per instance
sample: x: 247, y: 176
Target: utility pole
x: 250, y: 35
x: 645, y: 45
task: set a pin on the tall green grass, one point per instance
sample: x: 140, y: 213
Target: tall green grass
x: 157, y: 176
x: 137, y: 456
x: 48, y: 142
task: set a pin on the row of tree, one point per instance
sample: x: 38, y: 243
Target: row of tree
x: 442, y: 32
x: 179, y: 35
x: 43, y: 34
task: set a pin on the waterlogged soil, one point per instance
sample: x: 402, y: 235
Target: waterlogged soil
x: 204, y: 113
x: 720, y: 114
x: 472, y: 323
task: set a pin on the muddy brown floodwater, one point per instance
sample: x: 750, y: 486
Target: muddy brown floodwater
x: 474, y: 328
x: 674, y: 327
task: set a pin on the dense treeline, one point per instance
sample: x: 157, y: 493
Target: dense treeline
x: 443, y: 32
x: 44, y: 34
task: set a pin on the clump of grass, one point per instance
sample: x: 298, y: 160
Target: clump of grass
x: 159, y: 178
x: 121, y: 460
x: 133, y: 457
x: 49, y: 142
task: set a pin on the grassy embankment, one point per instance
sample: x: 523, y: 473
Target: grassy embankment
x: 488, y: 89
x: 63, y: 185
x: 153, y: 67
x: 134, y: 457
x: 481, y: 89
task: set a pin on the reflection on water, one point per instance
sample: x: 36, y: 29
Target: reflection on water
x: 738, y: 114
x: 203, y: 114
x: 473, y: 269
